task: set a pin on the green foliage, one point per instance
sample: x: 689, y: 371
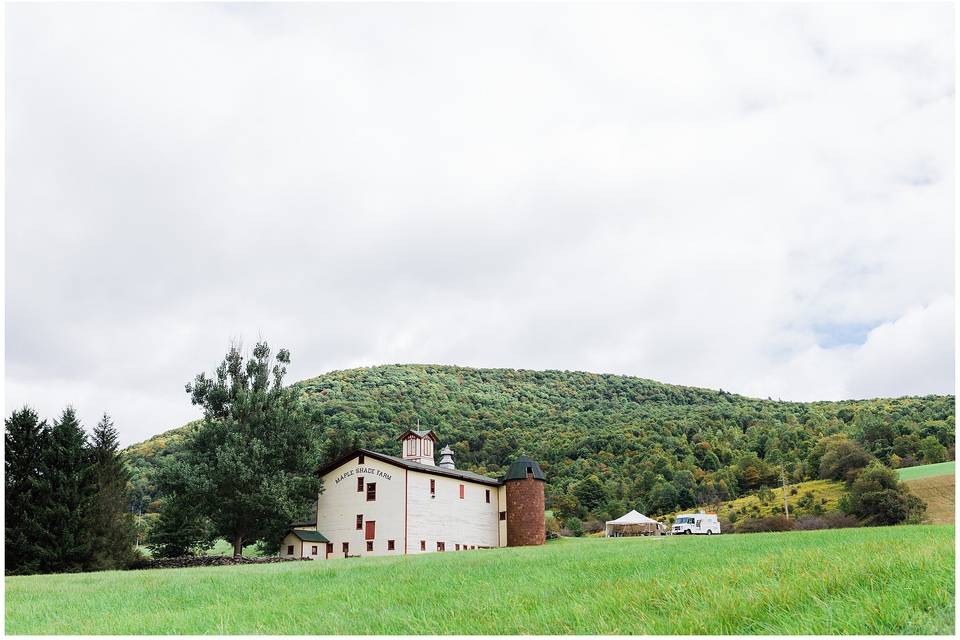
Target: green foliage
x: 180, y: 530
x: 633, y: 434
x: 590, y: 492
x: 112, y: 526
x: 24, y: 489
x: 573, y: 526
x: 932, y: 451
x: 843, y: 459
x: 867, y: 581
x: 66, y: 498
x: 66, y: 512
x: 249, y: 466
x: 878, y: 497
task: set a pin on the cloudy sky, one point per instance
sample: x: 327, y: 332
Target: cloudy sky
x: 755, y: 198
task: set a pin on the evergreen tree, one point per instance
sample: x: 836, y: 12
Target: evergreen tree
x: 24, y: 440
x: 111, y: 522
x: 65, y: 543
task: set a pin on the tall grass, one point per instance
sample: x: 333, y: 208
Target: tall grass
x: 896, y: 580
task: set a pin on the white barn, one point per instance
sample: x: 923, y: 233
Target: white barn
x: 375, y: 504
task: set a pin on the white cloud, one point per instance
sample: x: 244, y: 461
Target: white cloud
x: 675, y: 192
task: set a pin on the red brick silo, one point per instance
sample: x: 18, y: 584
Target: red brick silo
x: 525, y: 503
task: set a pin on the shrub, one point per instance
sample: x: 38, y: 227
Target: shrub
x: 832, y: 520
x: 770, y: 523
x: 552, y: 526
x: 593, y: 526
x: 573, y: 527
x: 877, y: 497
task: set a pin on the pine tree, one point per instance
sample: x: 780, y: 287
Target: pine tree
x: 112, y: 529
x: 65, y: 544
x: 24, y: 441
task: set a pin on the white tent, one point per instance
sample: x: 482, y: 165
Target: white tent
x: 632, y: 524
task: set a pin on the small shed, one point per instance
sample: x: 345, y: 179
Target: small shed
x: 633, y: 524
x: 305, y: 543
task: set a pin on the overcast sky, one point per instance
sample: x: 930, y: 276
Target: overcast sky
x: 754, y: 198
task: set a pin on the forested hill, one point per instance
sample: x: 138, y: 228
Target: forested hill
x: 652, y: 446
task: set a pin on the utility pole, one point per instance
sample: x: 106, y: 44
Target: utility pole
x: 783, y: 481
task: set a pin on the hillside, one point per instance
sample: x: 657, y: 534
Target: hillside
x: 651, y: 446
x: 883, y: 580
x: 812, y: 497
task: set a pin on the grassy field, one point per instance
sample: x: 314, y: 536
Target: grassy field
x: 938, y: 492
x: 928, y: 471
x: 894, y: 580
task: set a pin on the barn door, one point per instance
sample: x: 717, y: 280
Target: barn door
x: 371, y: 530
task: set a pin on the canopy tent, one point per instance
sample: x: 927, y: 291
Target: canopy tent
x: 632, y: 524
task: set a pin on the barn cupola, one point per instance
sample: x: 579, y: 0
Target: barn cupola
x: 446, y: 458
x: 417, y: 446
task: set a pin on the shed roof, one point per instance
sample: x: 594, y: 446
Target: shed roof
x: 309, y: 536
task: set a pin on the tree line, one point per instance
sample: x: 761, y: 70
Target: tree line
x: 66, y: 496
x: 244, y: 473
x: 607, y: 443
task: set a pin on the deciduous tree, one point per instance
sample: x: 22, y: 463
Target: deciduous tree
x: 250, y: 467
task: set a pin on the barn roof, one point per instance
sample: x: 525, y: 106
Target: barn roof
x: 413, y: 466
x: 428, y: 433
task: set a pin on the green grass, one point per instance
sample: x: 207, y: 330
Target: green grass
x: 894, y: 580
x: 928, y: 471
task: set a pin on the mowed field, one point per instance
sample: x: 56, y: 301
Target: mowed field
x: 935, y: 484
x: 890, y: 580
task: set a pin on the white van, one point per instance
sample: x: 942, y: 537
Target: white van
x: 696, y: 523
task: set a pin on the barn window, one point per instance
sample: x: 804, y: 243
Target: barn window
x: 456, y: 547
x: 371, y: 491
x: 346, y: 547
x: 329, y: 548
x: 314, y: 551
x: 289, y: 549
x: 369, y: 545
x: 503, y: 515
x: 441, y: 546
x: 461, y: 492
x: 423, y: 545
x: 433, y: 487
x: 488, y: 496
x: 360, y: 459
x: 390, y: 545
x: 529, y: 472
x: 359, y: 521
x: 359, y: 484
